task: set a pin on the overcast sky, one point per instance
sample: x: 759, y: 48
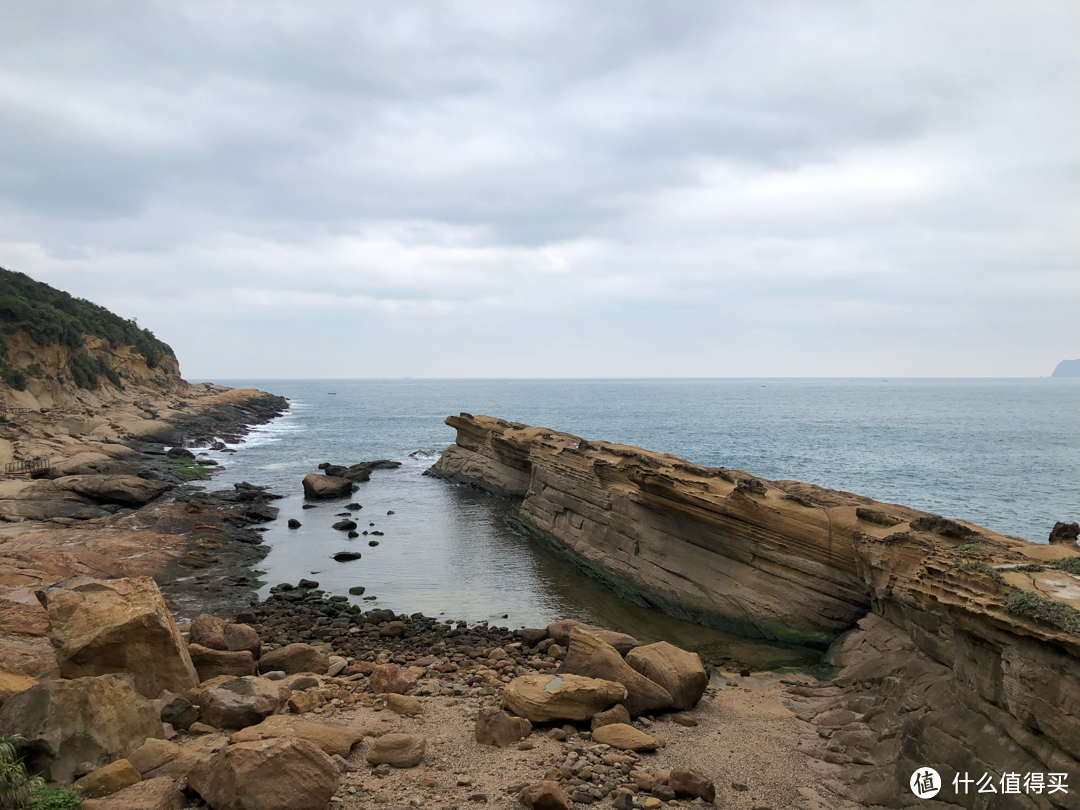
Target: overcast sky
x: 517, y: 189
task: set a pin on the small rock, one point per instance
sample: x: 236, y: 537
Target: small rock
x: 695, y: 784
x: 546, y: 795
x: 625, y: 737
x: 684, y: 719
x: 404, y: 705
x: 294, y: 523
x: 337, y: 665
x: 397, y: 750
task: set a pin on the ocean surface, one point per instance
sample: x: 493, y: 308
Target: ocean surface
x: 1004, y: 454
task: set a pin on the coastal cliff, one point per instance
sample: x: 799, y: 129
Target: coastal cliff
x: 962, y: 647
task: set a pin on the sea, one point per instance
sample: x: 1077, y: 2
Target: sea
x: 1002, y: 453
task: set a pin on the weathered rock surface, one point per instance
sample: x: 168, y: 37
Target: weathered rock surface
x: 559, y: 632
x: 546, y: 795
x: 391, y: 678
x: 397, y: 750
x: 107, y: 779
x: 153, y: 754
x: 592, y: 658
x: 117, y: 625
x: 625, y: 737
x: 497, y: 728
x: 544, y: 698
x: 616, y: 714
x: 277, y: 774
x: 91, y: 720
x: 177, y: 711
x: 678, y: 671
x: 326, y: 486
x: 331, y: 739
x: 152, y: 794
x: 695, y: 784
x: 295, y: 658
x: 212, y: 663
x: 127, y: 490
x: 235, y: 703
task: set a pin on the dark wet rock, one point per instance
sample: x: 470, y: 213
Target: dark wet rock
x: 294, y: 523
x: 345, y: 525
x: 347, y: 556
x: 1064, y: 534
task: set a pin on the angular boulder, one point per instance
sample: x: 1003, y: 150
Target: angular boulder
x: 559, y: 632
x: 91, y: 720
x: 544, y: 698
x: 212, y: 663
x: 496, y: 727
x: 235, y: 703
x: 591, y: 657
x: 330, y: 739
x: 326, y: 486
x: 390, y: 679
x: 624, y: 737
x: 208, y: 631
x: 616, y: 714
x: 695, y: 784
x: 546, y: 795
x: 177, y: 711
x: 678, y: 671
x: 242, y: 637
x: 152, y: 794
x: 278, y: 774
x: 293, y: 659
x: 152, y: 754
x: 397, y: 750
x: 107, y: 779
x: 117, y: 626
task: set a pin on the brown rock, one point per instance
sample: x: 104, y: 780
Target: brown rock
x: 66, y: 723
x: 390, y: 679
x: 177, y: 711
x: 616, y: 714
x: 243, y: 637
x: 151, y: 794
x: 1064, y: 534
x: 695, y: 784
x: 326, y: 486
x: 546, y: 795
x: 593, y: 658
x: 277, y: 774
x: 212, y: 663
x: 208, y: 631
x: 331, y: 739
x: 307, y: 701
x: 295, y: 658
x: 11, y: 683
x: 496, y: 727
x: 117, y: 626
x: 533, y: 635
x: 126, y: 490
x: 153, y: 754
x: 543, y: 698
x: 676, y: 670
x: 559, y: 632
x: 625, y: 737
x: 404, y: 705
x: 107, y: 779
x: 397, y: 750
x: 236, y: 703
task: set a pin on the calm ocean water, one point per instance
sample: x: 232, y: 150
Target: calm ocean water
x: 1002, y: 453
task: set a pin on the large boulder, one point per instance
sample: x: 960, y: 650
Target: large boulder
x: 591, y: 657
x: 236, y: 703
x: 212, y: 663
x: 126, y: 490
x: 331, y: 739
x: 397, y: 750
x: 544, y: 698
x: 559, y: 632
x: 107, y: 779
x: 91, y: 720
x: 496, y: 727
x: 326, y: 486
x: 678, y: 671
x: 152, y: 794
x: 117, y: 626
x: 295, y: 658
x: 279, y: 774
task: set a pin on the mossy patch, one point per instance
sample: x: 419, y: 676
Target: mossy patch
x: 1039, y: 609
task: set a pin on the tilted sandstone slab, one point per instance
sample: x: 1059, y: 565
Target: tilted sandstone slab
x: 117, y: 625
x: 678, y: 671
x: 592, y: 657
x: 544, y: 698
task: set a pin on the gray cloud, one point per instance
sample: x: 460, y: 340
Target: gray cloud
x: 550, y: 189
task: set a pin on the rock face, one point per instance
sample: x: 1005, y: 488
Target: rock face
x: 91, y: 720
x: 295, y: 658
x: 678, y: 671
x: 591, y: 657
x: 774, y: 562
x: 326, y: 486
x: 496, y: 727
x: 117, y: 625
x: 278, y: 774
x: 544, y: 698
x: 235, y: 703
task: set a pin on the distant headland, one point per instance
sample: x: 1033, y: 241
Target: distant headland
x: 1067, y: 368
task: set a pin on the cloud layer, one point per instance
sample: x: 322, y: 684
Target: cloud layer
x: 555, y: 189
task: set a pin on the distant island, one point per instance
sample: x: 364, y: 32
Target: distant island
x: 1067, y: 368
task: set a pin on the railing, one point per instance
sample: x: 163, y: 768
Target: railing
x: 30, y: 465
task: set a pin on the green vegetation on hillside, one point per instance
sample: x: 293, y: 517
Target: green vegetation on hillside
x: 50, y: 316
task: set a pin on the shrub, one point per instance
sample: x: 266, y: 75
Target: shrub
x: 53, y: 798
x: 34, y: 370
x: 970, y: 548
x: 85, y: 370
x: 13, y: 378
x: 981, y: 568
x: 16, y: 788
x: 1040, y: 609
